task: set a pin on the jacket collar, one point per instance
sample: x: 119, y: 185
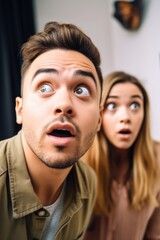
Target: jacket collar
x: 24, y: 199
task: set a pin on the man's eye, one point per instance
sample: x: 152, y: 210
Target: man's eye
x: 111, y: 106
x: 134, y: 106
x: 45, y: 88
x: 82, y: 91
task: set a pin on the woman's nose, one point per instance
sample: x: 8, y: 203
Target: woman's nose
x: 124, y: 115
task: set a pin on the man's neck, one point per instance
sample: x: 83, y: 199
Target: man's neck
x: 47, y: 182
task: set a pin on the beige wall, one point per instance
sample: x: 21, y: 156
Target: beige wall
x: 136, y: 52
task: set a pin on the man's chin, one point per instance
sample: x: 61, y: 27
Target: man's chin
x: 61, y: 164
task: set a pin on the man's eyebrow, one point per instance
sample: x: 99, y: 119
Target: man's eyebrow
x: 86, y: 74
x: 76, y: 73
x: 44, y: 70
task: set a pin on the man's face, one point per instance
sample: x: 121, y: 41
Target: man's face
x: 59, y: 110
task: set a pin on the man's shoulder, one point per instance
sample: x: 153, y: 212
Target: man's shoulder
x: 3, y: 162
x: 7, y: 149
x: 86, y: 175
x: 86, y: 169
x: 4, y: 142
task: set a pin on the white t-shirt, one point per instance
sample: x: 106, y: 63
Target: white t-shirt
x: 52, y: 222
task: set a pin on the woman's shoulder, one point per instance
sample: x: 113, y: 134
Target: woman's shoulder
x: 157, y: 149
x: 157, y: 155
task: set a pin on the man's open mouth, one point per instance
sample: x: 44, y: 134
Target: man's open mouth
x: 61, y: 133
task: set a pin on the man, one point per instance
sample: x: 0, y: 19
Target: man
x: 45, y: 192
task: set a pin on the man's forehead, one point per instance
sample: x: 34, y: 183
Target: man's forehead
x: 65, y: 59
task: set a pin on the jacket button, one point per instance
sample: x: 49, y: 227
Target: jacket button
x: 41, y: 213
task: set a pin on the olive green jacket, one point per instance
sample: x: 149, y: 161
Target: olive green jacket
x: 22, y: 215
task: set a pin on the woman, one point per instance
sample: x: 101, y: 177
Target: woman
x: 126, y: 161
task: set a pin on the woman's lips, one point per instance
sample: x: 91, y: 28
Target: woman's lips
x: 124, y: 134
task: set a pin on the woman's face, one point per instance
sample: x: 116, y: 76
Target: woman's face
x: 123, y: 114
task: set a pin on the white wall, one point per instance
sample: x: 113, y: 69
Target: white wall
x: 135, y: 52
x: 90, y: 15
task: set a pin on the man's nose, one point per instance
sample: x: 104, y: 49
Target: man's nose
x: 63, y: 104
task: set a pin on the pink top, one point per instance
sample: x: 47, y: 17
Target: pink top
x: 125, y: 223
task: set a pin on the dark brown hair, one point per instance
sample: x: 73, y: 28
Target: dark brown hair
x: 59, y: 36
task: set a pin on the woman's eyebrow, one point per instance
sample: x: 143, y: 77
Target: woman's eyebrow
x: 133, y: 96
x: 112, y: 96
x: 136, y: 96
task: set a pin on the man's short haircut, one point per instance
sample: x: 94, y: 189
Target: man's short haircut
x: 59, y: 36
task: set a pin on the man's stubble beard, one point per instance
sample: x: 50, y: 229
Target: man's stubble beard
x: 60, y: 159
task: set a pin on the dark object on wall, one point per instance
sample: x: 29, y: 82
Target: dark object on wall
x: 16, y: 24
x: 129, y: 13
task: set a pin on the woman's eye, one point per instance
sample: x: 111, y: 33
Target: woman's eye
x: 134, y: 106
x: 82, y: 91
x: 45, y: 88
x: 111, y: 106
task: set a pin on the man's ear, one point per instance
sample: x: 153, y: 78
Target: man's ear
x: 100, y: 118
x: 18, y: 109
